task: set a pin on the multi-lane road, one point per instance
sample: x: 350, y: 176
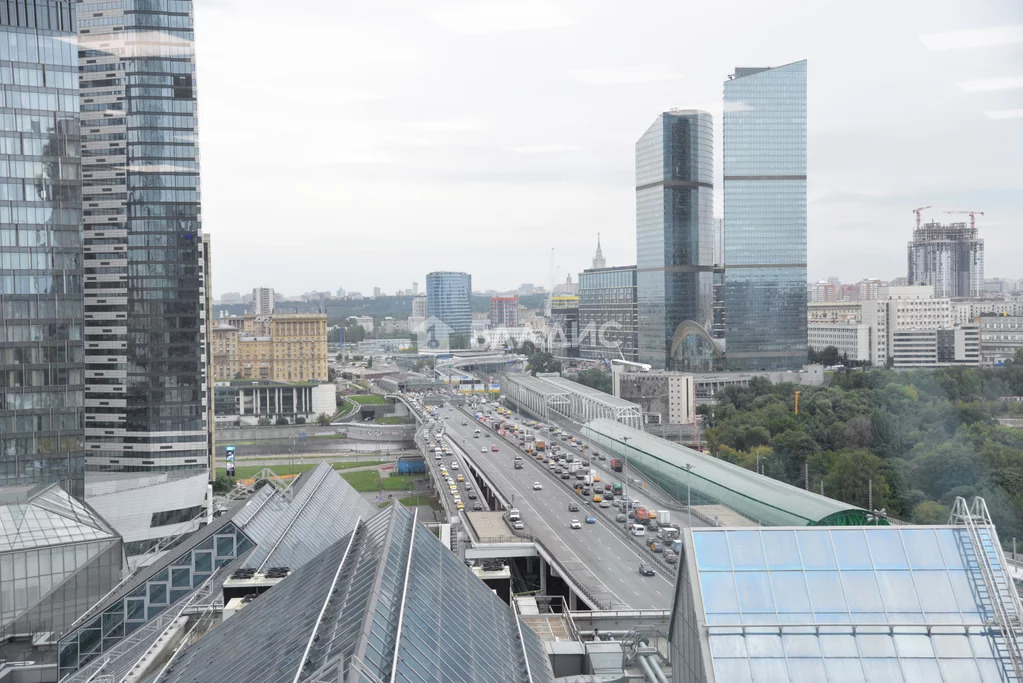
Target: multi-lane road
x: 599, y: 549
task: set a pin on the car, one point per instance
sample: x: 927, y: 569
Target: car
x: 566, y: 475
x: 573, y: 507
x: 646, y: 570
x: 494, y: 448
x: 472, y: 495
x: 460, y: 478
x: 459, y: 505
x: 590, y: 519
x: 518, y: 524
x: 596, y: 479
x: 597, y: 498
x: 605, y: 503
x: 607, y: 486
x: 454, y: 465
x: 468, y: 486
x: 477, y: 506
x: 464, y: 423
x: 537, y: 486
x: 438, y: 456
x: 574, y: 524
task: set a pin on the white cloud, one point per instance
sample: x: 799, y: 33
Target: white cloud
x: 545, y: 149
x: 480, y: 17
x: 1005, y: 114
x: 448, y: 126
x: 995, y: 83
x: 618, y: 75
x: 978, y: 37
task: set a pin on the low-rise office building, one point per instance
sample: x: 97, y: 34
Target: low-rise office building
x: 1001, y: 336
x: 245, y: 402
x: 665, y: 397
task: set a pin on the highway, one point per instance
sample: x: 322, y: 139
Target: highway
x: 604, y: 552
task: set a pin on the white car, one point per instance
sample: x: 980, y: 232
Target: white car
x: 518, y: 525
x: 537, y: 486
x: 454, y: 465
x: 576, y: 524
x: 483, y: 450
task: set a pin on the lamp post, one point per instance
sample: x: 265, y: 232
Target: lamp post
x: 689, y: 503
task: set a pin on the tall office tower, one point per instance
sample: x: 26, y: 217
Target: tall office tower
x: 598, y: 257
x: 765, y: 217
x: 41, y: 350
x: 449, y: 300
x: 263, y: 300
x: 146, y: 414
x: 675, y: 241
x: 950, y: 258
x: 207, y: 290
x: 607, y: 313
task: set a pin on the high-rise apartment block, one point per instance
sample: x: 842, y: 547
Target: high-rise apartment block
x: 607, y: 313
x: 764, y: 135
x: 949, y: 258
x: 504, y: 311
x: 449, y: 300
x: 41, y: 347
x: 263, y: 300
x: 283, y: 348
x: 144, y: 306
x: 675, y: 241
x: 823, y: 292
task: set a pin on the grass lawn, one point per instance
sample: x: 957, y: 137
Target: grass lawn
x: 247, y: 471
x: 397, y: 483
x: 368, y: 399
x: 410, y: 501
x: 390, y: 420
x: 368, y: 480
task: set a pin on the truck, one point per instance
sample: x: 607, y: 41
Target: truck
x: 669, y: 533
x: 664, y: 516
x: 642, y: 514
x: 676, y: 546
x: 617, y: 464
x: 574, y: 466
x: 541, y: 445
x: 616, y: 488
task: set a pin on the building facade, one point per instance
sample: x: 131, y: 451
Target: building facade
x: 764, y: 135
x: 144, y: 306
x: 949, y: 258
x: 565, y: 325
x: 852, y: 339
x: 504, y: 311
x: 607, y: 313
x: 42, y: 371
x: 263, y: 300
x: 665, y: 397
x: 824, y: 292
x: 282, y: 348
x: 1001, y: 337
x: 449, y: 300
x: 675, y: 241
x: 419, y: 306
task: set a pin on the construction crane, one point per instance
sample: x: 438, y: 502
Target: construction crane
x: 917, y: 212
x: 972, y: 215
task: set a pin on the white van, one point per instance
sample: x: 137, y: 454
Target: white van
x: 513, y: 515
x: 637, y: 530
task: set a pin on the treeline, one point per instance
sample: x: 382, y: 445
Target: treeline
x: 918, y: 438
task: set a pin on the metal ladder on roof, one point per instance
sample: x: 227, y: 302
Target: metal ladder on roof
x: 998, y: 594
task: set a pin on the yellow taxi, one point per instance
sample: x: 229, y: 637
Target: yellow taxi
x: 460, y: 478
x: 598, y: 498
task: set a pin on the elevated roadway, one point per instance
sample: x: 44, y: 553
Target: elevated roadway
x: 598, y: 556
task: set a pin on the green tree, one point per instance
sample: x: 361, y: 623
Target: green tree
x: 323, y: 420
x: 595, y: 378
x: 223, y: 484
x: 264, y: 422
x: 458, y: 341
x: 282, y: 420
x: 930, y: 512
x: 542, y: 361
x: 851, y: 476
x: 354, y: 333
x: 369, y: 363
x: 527, y: 348
x: 796, y: 448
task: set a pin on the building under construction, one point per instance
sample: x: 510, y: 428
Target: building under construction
x: 949, y: 257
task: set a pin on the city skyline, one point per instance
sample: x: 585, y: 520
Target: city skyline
x: 508, y: 136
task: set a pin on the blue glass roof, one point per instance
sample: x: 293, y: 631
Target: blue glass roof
x: 850, y: 604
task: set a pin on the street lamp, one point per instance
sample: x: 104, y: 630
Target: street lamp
x: 689, y: 504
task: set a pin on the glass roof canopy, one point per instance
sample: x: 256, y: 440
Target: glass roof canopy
x: 841, y: 604
x: 761, y: 499
x: 389, y: 602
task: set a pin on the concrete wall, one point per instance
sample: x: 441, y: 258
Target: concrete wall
x: 374, y: 432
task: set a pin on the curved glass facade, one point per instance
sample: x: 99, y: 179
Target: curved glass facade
x: 449, y: 300
x: 144, y: 305
x: 674, y: 236
x: 764, y: 136
x: 41, y: 352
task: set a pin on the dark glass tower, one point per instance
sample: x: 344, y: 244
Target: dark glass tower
x: 765, y: 217
x: 41, y: 357
x: 144, y: 309
x: 675, y: 241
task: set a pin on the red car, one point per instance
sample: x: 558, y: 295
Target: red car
x: 494, y: 449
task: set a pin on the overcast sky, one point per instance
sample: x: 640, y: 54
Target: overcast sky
x: 361, y: 144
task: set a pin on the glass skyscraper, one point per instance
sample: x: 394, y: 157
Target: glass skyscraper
x: 765, y: 217
x: 144, y: 307
x: 449, y: 300
x: 675, y: 241
x: 41, y: 348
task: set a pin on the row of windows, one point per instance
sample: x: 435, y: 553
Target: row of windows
x: 45, y: 332
x: 68, y: 420
x: 37, y: 169
x: 18, y: 99
x: 38, y: 76
x: 39, y: 400
x: 31, y: 146
x: 47, y: 124
x: 178, y: 516
x: 40, y: 284
x: 39, y: 260
x: 33, y: 48
x: 44, y: 377
x: 50, y: 353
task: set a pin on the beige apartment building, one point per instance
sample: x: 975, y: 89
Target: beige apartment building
x: 283, y: 348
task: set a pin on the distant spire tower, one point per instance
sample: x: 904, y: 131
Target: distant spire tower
x: 598, y: 258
